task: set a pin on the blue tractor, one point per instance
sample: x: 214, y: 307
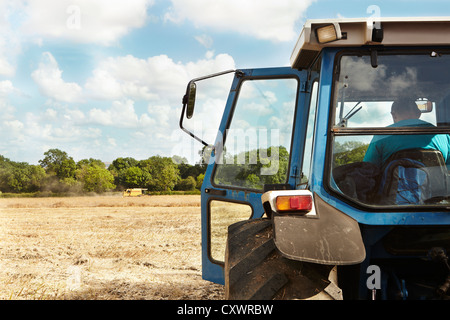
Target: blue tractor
x: 328, y: 179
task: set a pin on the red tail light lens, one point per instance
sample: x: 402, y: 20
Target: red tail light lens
x: 302, y: 203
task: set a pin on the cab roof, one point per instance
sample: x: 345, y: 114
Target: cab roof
x: 319, y: 34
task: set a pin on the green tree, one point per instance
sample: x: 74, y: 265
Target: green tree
x: 255, y: 168
x: 187, y: 170
x: 36, y: 177
x: 187, y: 184
x: 277, y: 168
x: 20, y: 176
x: 70, y: 184
x: 118, y: 169
x: 18, y: 179
x: 134, y: 177
x: 90, y: 162
x: 199, y: 180
x: 6, y: 167
x: 163, y: 171
x: 253, y: 181
x: 58, y: 163
x: 123, y: 163
x: 67, y: 170
x: 349, y: 152
x: 95, y: 178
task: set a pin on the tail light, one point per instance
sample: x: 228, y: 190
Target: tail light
x: 301, y: 203
x: 298, y: 202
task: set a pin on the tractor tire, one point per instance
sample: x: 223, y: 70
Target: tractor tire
x: 255, y: 270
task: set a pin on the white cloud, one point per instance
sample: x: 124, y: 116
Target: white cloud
x: 158, y: 78
x: 205, y: 40
x: 51, y: 114
x: 6, y: 68
x: 69, y: 120
x: 14, y: 126
x: 101, y: 22
x: 10, y: 39
x: 52, y: 133
x: 264, y: 19
x: 6, y: 110
x: 84, y: 21
x: 120, y: 115
x: 258, y: 108
x: 112, y: 142
x: 160, y: 82
x: 75, y: 116
x: 6, y: 87
x: 126, y: 84
x: 48, y: 77
x: 132, y: 77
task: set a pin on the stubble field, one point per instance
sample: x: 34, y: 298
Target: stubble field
x: 101, y: 248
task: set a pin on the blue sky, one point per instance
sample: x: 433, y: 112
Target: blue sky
x: 104, y: 78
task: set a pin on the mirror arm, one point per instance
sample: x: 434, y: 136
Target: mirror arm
x: 185, y: 102
x: 186, y: 130
x: 213, y: 75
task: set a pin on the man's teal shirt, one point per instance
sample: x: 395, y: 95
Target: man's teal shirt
x: 382, y: 147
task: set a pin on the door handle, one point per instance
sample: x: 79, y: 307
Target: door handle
x: 216, y: 192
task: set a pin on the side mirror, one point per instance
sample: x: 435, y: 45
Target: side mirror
x: 424, y: 105
x: 188, y: 102
x: 189, y: 99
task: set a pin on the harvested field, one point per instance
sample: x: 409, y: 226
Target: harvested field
x: 100, y: 248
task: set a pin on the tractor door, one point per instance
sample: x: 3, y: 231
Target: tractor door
x: 252, y: 152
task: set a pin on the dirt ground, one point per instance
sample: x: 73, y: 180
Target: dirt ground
x: 102, y: 248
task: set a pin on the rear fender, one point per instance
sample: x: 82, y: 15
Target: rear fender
x: 323, y: 236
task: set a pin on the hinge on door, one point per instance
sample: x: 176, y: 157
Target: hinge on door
x: 294, y: 173
x: 304, y: 87
x: 240, y: 73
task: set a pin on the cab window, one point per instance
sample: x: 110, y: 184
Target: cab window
x: 390, y: 125
x: 258, y: 140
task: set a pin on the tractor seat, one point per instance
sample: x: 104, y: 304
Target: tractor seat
x: 412, y: 176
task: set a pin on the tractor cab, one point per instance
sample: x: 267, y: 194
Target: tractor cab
x: 343, y: 156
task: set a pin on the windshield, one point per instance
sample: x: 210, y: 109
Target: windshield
x: 391, y: 119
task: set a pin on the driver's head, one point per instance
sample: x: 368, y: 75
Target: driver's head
x: 405, y: 108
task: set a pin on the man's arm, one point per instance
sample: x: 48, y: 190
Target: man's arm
x: 373, y: 154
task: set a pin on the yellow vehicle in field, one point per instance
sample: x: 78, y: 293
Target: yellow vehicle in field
x: 135, y: 192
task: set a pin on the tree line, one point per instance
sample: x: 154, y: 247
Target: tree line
x: 349, y: 152
x: 247, y: 168
x: 57, y: 172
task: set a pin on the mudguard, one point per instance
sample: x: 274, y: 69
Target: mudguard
x: 330, y: 237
